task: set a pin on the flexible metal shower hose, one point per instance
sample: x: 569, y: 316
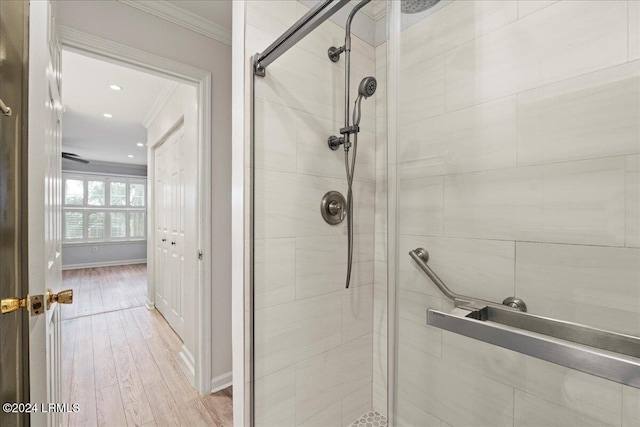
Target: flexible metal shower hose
x: 350, y: 172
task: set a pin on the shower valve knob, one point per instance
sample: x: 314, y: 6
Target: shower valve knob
x: 335, y: 142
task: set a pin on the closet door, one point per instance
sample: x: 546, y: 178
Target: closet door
x: 169, y: 294
x: 162, y: 213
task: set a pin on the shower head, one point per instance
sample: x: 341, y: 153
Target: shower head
x: 367, y: 87
x: 417, y: 6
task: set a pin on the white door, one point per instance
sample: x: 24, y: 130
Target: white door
x: 44, y: 212
x: 170, y: 208
x: 161, y: 214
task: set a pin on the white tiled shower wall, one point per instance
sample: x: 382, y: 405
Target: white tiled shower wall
x: 519, y: 142
x: 313, y: 338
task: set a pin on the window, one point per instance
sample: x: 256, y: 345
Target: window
x: 95, y: 193
x: 118, y: 194
x: 103, y: 208
x: 73, y: 192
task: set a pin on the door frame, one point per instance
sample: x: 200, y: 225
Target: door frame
x: 120, y: 54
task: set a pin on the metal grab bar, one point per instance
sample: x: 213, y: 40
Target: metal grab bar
x: 421, y: 257
x: 572, y: 345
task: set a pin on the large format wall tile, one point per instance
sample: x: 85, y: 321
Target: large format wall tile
x: 323, y: 380
x: 276, y: 143
x: 355, y: 405
x: 596, y: 286
x: 527, y: 7
x: 579, y: 202
x: 275, y: 271
x: 420, y: 206
x: 555, y: 43
x: 633, y: 201
x: 411, y: 415
x: 422, y: 91
x: 475, y: 267
x: 294, y: 331
x: 630, y: 407
x: 321, y: 264
x: 634, y: 30
x: 331, y: 416
x: 587, y: 394
x: 458, y: 397
x: 531, y: 411
x: 271, y: 17
x: 287, y: 205
x: 357, y: 313
x: 275, y: 403
x: 413, y: 332
x: 477, y: 138
x: 596, y: 115
x: 453, y: 25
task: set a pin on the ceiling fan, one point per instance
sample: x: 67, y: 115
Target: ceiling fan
x: 74, y: 157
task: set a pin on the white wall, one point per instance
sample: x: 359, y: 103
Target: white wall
x: 313, y: 337
x: 518, y: 156
x: 129, y: 26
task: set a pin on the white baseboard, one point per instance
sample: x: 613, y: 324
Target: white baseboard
x: 150, y: 304
x: 104, y: 264
x: 221, y: 382
x: 186, y: 361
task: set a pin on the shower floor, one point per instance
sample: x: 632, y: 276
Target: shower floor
x: 370, y: 419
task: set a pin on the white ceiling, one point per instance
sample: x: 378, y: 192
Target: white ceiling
x: 86, y: 96
x: 216, y: 11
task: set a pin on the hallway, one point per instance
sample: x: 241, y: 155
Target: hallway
x: 121, y: 368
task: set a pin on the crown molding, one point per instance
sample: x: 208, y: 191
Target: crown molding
x: 98, y: 47
x: 159, y: 103
x: 177, y: 15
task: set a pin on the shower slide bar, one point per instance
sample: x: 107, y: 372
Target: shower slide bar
x: 605, y: 354
x: 309, y: 22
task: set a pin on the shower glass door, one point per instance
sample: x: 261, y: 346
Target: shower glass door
x: 514, y: 160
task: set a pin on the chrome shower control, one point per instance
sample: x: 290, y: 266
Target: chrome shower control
x: 333, y: 208
x: 335, y: 142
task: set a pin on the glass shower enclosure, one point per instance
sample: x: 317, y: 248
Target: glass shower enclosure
x: 496, y: 263
x: 513, y: 163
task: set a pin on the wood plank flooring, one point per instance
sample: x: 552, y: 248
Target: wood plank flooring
x: 121, y: 368
x: 104, y: 289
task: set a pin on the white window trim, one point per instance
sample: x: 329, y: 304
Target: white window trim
x: 107, y: 208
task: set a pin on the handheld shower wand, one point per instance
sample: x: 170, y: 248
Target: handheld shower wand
x: 367, y: 88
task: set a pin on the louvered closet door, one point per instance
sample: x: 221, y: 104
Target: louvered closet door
x: 171, y: 185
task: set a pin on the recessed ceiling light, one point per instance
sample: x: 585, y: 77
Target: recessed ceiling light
x: 140, y: 144
x: 130, y: 156
x: 107, y: 115
x: 116, y: 87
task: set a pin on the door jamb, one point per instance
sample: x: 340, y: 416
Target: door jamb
x: 117, y: 53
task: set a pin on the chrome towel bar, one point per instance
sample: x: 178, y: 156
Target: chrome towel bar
x: 594, y: 351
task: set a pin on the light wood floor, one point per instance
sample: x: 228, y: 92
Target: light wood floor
x: 121, y: 368
x: 104, y: 289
